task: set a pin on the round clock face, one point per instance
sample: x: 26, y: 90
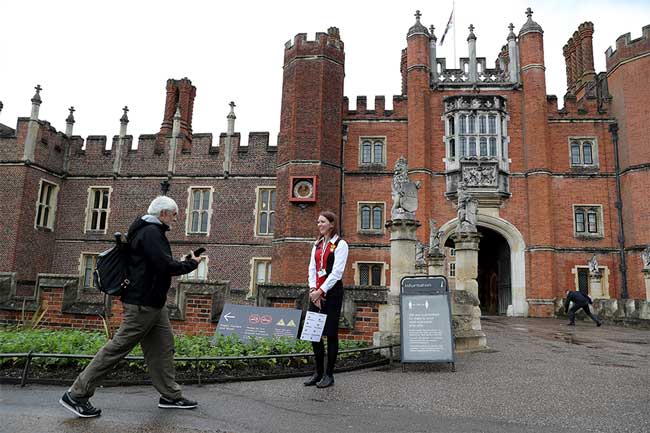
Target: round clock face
x: 303, y: 189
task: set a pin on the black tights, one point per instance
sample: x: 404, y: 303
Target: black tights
x: 332, y: 352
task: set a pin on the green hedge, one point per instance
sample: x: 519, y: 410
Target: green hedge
x: 88, y: 343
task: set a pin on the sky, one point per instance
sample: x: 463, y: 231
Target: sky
x: 101, y: 56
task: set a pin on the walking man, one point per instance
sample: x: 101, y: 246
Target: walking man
x: 580, y: 301
x: 146, y: 319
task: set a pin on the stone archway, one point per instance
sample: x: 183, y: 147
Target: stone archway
x: 519, y: 306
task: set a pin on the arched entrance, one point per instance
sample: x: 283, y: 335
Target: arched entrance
x: 518, y: 305
x: 494, y: 288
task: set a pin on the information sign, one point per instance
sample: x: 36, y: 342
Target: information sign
x: 247, y: 321
x: 426, y: 329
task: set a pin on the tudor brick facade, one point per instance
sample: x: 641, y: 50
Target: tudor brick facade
x: 552, y: 206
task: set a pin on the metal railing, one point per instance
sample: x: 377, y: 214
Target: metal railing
x: 199, y: 359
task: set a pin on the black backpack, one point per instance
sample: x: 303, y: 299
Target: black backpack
x: 111, y: 274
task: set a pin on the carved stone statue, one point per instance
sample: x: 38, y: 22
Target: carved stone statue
x: 593, y: 265
x: 405, y: 192
x: 434, y: 238
x: 645, y: 258
x: 420, y: 254
x: 467, y: 210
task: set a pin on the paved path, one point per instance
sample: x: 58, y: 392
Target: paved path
x: 540, y: 376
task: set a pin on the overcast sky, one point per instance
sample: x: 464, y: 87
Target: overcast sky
x: 100, y: 56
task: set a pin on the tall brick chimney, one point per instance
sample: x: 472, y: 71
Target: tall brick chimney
x: 309, y: 148
x: 579, y: 58
x: 180, y: 94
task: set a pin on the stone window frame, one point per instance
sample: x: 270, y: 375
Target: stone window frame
x: 254, y: 262
x: 586, y: 233
x: 604, y: 271
x: 451, y: 269
x: 357, y: 272
x: 258, y: 210
x: 89, y: 209
x: 580, y: 140
x: 201, y: 271
x: 372, y: 205
x: 373, y: 140
x: 454, y: 133
x: 82, y: 269
x: 50, y: 206
x: 189, y: 210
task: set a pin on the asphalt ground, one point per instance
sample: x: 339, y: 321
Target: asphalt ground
x: 538, y: 376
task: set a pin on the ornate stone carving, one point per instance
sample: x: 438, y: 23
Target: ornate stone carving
x: 593, y: 266
x: 434, y: 239
x: 467, y: 210
x: 405, y: 192
x: 645, y: 258
x: 480, y: 175
x: 420, y: 254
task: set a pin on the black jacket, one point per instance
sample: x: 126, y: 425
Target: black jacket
x: 579, y: 299
x: 151, y: 264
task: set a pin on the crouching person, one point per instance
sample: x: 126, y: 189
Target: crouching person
x: 146, y: 319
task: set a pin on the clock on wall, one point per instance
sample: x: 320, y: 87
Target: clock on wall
x: 302, y: 188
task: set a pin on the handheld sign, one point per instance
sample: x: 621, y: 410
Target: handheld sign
x: 426, y: 330
x: 247, y: 321
x: 312, y: 329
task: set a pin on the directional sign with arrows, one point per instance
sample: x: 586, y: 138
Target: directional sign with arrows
x: 247, y: 321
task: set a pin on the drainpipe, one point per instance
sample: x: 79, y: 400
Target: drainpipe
x: 344, y: 142
x: 613, y: 129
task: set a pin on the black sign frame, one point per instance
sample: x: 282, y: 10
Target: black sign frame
x: 430, y: 286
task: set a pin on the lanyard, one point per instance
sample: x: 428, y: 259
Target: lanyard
x: 322, y: 253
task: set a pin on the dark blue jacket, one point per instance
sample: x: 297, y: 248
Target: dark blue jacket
x: 579, y: 299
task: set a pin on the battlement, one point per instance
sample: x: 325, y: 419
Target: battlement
x: 379, y: 111
x: 328, y: 44
x: 626, y: 48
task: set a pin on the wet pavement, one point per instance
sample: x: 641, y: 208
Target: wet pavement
x: 538, y: 376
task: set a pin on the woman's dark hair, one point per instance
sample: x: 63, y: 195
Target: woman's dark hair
x: 331, y: 217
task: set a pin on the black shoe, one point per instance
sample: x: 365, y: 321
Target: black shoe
x: 82, y: 409
x: 313, y: 380
x: 570, y: 324
x: 179, y: 403
x: 599, y: 323
x: 326, y: 381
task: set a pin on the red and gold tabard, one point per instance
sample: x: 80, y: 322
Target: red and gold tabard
x: 323, y: 252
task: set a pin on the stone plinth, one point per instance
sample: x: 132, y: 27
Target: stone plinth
x: 436, y: 263
x: 465, y: 306
x: 596, y: 286
x: 402, y: 251
x: 402, y: 261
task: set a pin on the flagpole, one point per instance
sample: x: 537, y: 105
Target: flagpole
x: 453, y: 11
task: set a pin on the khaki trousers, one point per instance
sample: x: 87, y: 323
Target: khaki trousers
x: 148, y: 326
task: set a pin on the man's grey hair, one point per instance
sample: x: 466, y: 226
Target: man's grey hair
x: 160, y: 204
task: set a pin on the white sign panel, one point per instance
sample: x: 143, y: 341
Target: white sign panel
x: 312, y: 329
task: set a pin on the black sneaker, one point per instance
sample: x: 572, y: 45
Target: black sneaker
x: 599, y: 323
x: 82, y: 409
x: 179, y: 403
x: 570, y: 324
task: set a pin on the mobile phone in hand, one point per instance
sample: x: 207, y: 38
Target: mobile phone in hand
x: 197, y: 253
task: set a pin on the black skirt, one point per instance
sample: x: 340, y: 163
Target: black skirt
x: 331, y: 306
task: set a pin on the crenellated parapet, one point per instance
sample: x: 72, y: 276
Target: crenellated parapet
x: 400, y: 108
x: 627, y: 49
x: 325, y: 44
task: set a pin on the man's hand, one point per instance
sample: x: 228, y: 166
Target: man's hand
x: 195, y: 258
